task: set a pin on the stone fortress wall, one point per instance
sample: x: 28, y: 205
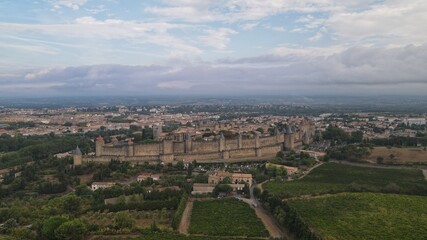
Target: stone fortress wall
x: 169, y: 151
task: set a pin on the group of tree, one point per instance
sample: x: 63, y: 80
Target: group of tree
x: 350, y: 152
x: 287, y: 216
x: 339, y: 136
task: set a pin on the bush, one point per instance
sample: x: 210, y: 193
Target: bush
x: 123, y: 220
x: 71, y: 230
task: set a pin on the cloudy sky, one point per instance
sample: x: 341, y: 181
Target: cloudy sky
x: 230, y: 47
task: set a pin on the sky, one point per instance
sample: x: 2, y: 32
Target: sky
x: 213, y: 47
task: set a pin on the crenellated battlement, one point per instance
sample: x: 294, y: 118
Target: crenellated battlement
x: 188, y: 150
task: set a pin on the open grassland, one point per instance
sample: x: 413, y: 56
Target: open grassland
x: 364, y: 215
x: 399, y: 155
x: 227, y: 217
x: 334, y: 177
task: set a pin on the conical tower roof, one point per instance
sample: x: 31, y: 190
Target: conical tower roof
x: 77, y: 151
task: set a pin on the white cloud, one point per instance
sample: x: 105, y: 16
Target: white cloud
x: 390, y: 22
x: 73, y: 4
x: 352, y: 70
x: 88, y: 27
x: 217, y: 38
x: 180, y: 85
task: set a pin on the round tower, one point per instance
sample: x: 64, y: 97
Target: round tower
x: 99, y: 143
x: 77, y: 157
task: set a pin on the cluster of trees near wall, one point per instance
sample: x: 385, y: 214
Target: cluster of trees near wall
x: 396, y: 141
x: 21, y: 149
x: 339, y: 136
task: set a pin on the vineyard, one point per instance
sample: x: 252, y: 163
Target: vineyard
x: 228, y: 217
x: 174, y: 236
x: 334, y: 177
x: 364, y: 215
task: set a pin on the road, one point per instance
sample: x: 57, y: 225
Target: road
x: 185, y: 220
x: 270, y: 223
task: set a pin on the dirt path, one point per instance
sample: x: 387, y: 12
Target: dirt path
x: 311, y: 169
x: 373, y: 165
x: 259, y: 185
x: 270, y: 224
x: 186, y: 217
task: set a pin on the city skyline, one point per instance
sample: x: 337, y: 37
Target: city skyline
x: 82, y: 47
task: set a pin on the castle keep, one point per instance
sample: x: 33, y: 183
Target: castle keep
x: 187, y: 150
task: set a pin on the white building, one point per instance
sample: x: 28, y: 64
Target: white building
x: 98, y: 185
x: 414, y: 121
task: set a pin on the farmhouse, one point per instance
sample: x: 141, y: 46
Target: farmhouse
x: 145, y: 176
x: 98, y: 185
x: 203, y: 188
x: 218, y: 176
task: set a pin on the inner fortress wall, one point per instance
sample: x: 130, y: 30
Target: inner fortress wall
x: 231, y: 144
x: 146, y: 149
x: 178, y: 147
x: 271, y: 150
x: 242, y: 153
x: 189, y: 150
x: 114, y: 151
x: 268, y: 141
x: 191, y: 157
x: 248, y: 143
x: 204, y: 147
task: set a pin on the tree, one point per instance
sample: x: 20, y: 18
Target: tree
x: 260, y: 129
x: 380, y: 160
x: 71, y: 230
x: 224, y: 188
x: 280, y: 155
x: 50, y: 225
x: 257, y: 192
x: 190, y: 170
x: 357, y: 137
x: 226, y: 180
x: 23, y: 233
x: 71, y: 203
x: 8, y: 225
x: 123, y: 220
x: 83, y: 190
x: 180, y: 165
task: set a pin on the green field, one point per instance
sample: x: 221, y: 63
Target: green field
x: 170, y: 236
x: 227, y: 217
x: 334, y: 177
x: 364, y: 215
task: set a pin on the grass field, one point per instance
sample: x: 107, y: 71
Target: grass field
x: 227, y: 217
x: 334, y: 177
x: 169, y: 236
x: 364, y: 215
x: 401, y: 155
x: 143, y: 219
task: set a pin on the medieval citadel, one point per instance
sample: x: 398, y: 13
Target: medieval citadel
x: 186, y: 149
